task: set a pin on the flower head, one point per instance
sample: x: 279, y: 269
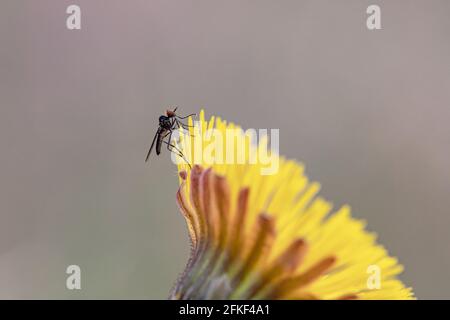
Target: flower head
x: 260, y: 236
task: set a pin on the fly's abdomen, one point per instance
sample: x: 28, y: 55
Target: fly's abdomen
x: 159, y: 141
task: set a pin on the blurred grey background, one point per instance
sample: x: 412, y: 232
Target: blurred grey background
x: 366, y: 111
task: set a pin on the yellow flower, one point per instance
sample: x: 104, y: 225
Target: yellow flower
x: 260, y: 236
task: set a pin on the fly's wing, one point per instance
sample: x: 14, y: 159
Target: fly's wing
x: 153, y: 143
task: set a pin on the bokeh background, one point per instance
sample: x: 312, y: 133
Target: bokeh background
x: 366, y: 111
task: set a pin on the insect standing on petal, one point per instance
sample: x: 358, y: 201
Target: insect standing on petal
x: 167, y: 124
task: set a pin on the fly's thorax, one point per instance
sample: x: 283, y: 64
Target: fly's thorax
x: 164, y: 122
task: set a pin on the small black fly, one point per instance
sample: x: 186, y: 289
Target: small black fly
x: 167, y: 124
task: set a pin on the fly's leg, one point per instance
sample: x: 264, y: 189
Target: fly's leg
x: 192, y: 114
x: 181, y: 125
x: 171, y: 148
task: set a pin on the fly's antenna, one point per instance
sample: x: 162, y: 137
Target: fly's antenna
x: 189, y: 115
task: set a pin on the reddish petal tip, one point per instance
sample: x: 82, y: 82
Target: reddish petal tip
x: 183, y: 174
